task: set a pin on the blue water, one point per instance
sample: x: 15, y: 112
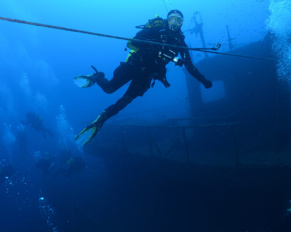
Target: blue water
x: 36, y: 75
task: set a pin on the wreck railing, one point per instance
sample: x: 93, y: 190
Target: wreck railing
x: 182, y: 137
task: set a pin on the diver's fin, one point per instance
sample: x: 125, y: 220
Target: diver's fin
x: 89, y: 132
x: 86, y: 135
x: 84, y: 81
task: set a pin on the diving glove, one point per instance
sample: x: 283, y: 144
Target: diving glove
x: 207, y: 84
x: 88, y: 80
x: 161, y: 78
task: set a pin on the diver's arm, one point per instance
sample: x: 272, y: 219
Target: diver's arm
x: 25, y: 123
x: 192, y: 69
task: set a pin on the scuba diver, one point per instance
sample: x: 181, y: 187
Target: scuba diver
x: 47, y: 163
x: 36, y: 123
x: 74, y: 164
x: 146, y: 63
x: 21, y: 139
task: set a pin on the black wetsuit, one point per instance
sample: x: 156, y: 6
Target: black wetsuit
x: 148, y: 63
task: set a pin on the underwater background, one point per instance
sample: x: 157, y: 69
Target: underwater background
x: 177, y: 159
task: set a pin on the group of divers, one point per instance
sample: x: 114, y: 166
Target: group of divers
x: 65, y: 163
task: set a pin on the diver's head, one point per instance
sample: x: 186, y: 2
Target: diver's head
x: 175, y: 20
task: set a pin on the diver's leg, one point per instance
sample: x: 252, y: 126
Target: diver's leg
x: 135, y: 89
x: 111, y: 111
x: 121, y: 75
x: 49, y: 132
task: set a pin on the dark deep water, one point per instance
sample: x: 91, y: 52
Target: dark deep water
x: 151, y: 194
x: 179, y: 159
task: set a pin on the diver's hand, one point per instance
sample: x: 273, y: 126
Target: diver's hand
x: 162, y: 78
x: 207, y: 84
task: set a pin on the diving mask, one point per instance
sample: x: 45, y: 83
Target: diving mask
x: 175, y: 20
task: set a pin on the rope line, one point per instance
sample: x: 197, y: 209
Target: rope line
x: 166, y: 6
x: 130, y: 39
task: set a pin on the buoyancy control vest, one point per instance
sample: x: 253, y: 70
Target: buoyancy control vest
x: 164, y: 53
x: 156, y: 22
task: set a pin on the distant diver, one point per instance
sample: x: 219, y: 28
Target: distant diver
x: 47, y: 163
x: 146, y: 63
x: 75, y: 164
x: 21, y: 139
x: 36, y: 123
